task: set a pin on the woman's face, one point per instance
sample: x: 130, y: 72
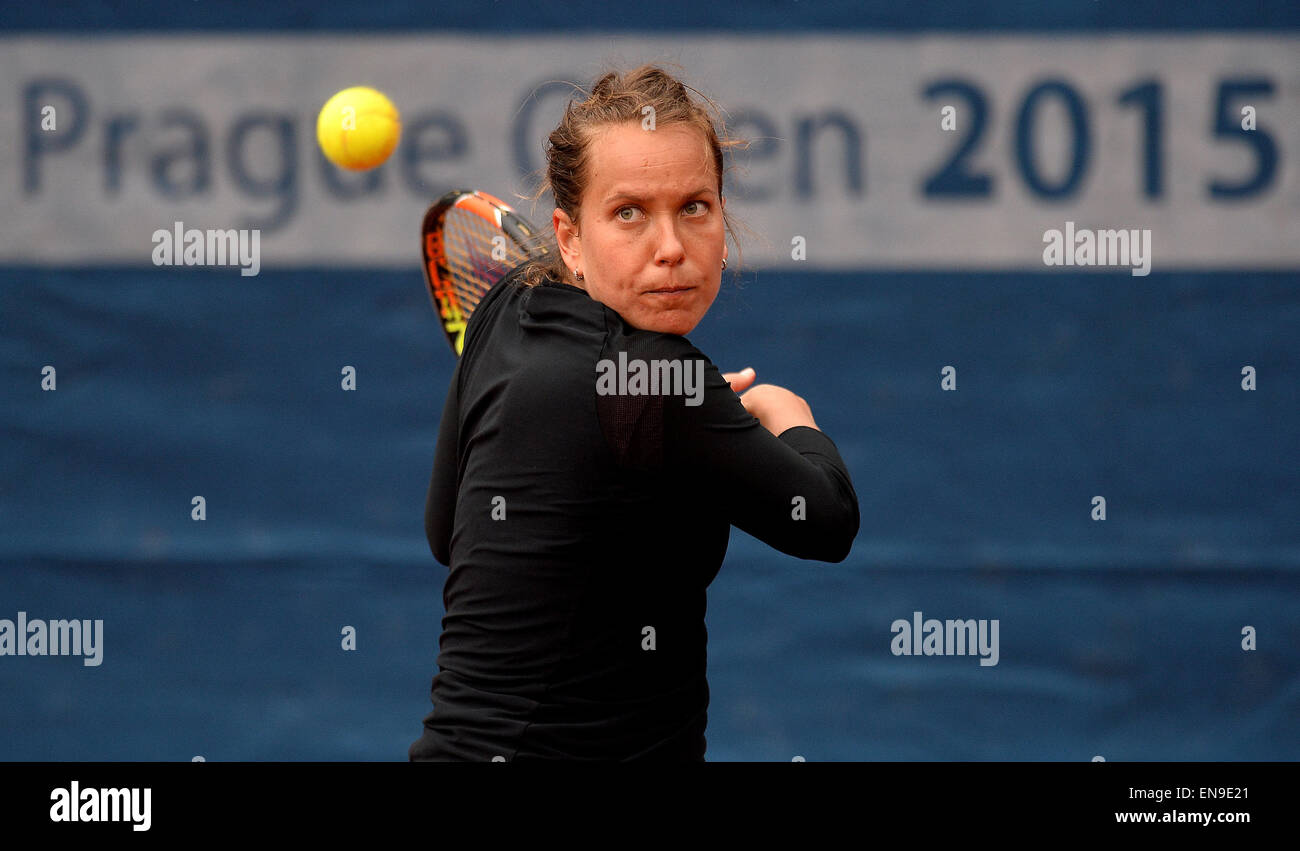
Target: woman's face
x: 650, y: 237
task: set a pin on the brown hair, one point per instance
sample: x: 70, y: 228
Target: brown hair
x: 616, y: 98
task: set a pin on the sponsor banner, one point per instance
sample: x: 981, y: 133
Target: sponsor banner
x: 971, y: 151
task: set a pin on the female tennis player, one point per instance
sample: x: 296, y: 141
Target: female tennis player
x: 583, y: 511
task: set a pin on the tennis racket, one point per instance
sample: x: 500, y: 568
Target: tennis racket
x: 469, y: 241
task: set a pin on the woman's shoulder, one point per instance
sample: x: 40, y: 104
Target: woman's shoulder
x: 651, y: 344
x: 542, y: 294
x: 544, y: 298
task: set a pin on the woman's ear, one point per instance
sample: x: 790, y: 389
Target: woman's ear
x: 567, y: 239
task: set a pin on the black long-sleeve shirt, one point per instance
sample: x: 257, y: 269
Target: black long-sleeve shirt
x: 582, y: 527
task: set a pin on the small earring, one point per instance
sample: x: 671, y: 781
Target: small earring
x: 724, y: 262
x: 578, y: 275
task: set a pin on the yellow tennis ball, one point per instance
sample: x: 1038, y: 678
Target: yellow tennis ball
x: 358, y: 128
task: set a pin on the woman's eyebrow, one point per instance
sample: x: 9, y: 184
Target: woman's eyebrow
x: 632, y: 196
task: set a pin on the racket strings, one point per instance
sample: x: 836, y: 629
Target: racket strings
x: 469, y: 245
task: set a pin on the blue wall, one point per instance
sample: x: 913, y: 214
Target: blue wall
x: 222, y: 638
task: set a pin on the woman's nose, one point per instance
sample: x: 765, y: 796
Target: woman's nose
x: 670, y: 249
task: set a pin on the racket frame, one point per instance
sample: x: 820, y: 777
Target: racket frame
x: 453, y: 309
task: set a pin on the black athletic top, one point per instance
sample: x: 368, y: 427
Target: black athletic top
x: 582, y: 528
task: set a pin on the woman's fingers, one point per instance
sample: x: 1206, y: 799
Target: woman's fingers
x: 740, y: 381
x: 777, y: 408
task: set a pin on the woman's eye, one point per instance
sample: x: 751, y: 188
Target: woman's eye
x: 699, y: 206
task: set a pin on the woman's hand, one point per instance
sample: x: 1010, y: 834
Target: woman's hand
x: 740, y: 380
x: 775, y: 407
